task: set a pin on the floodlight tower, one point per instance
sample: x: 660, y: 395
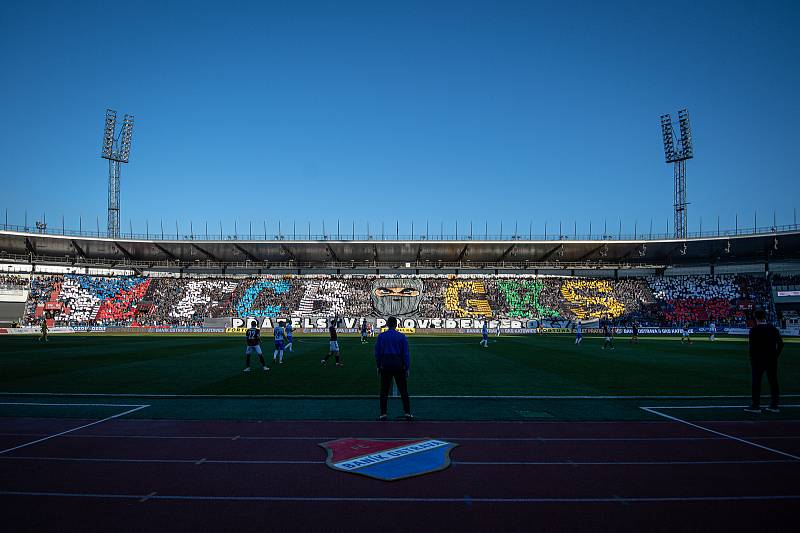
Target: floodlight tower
x: 117, y: 149
x: 678, y: 156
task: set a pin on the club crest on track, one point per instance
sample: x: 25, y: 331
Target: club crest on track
x: 388, y: 460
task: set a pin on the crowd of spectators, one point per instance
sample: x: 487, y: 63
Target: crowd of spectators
x: 185, y: 302
x: 340, y: 297
x: 698, y: 300
x: 10, y: 281
x: 523, y: 298
x: 80, y: 299
x: 785, y: 279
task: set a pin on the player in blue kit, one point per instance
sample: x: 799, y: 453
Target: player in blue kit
x: 485, y: 333
x: 279, y: 338
x: 578, y: 336
x: 363, y: 331
x: 253, y: 337
x: 289, y: 336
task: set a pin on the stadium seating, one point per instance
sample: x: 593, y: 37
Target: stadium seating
x: 523, y: 298
x: 457, y: 299
x: 256, y: 301
x: 591, y: 298
x: 786, y: 280
x: 13, y: 282
x: 201, y: 295
x: 81, y: 299
x: 705, y: 298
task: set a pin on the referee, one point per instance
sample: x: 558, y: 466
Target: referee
x: 393, y: 361
x: 765, y: 347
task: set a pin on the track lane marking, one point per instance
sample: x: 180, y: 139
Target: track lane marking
x: 464, y: 463
x: 370, y: 499
x: 474, y: 439
x: 129, y: 411
x: 655, y: 411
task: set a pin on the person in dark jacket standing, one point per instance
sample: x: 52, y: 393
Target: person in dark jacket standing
x: 393, y: 361
x: 765, y: 347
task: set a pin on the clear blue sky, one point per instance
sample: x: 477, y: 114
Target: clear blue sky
x: 384, y: 111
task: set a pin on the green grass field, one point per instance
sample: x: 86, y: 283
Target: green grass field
x: 207, y: 371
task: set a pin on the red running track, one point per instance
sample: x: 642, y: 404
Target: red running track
x: 156, y: 475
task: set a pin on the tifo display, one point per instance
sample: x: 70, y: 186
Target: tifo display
x: 77, y: 299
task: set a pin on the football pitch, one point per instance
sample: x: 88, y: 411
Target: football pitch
x: 452, y: 377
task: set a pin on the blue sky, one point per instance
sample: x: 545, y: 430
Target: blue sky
x: 384, y: 111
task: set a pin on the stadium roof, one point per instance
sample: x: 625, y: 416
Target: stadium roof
x: 179, y: 254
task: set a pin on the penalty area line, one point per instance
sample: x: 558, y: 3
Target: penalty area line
x: 106, y: 419
x: 655, y: 411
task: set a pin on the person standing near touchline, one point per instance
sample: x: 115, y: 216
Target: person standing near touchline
x: 393, y: 361
x: 765, y: 347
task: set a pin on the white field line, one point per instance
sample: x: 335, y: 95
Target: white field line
x: 370, y: 499
x: 134, y: 409
x: 203, y: 461
x: 373, y: 396
x: 655, y: 411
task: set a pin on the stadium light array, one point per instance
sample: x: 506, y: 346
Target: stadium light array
x: 677, y: 151
x: 108, y: 134
x: 117, y: 149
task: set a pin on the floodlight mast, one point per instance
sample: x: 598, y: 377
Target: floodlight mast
x: 117, y: 149
x: 678, y: 157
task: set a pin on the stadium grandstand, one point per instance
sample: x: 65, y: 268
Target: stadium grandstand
x: 95, y: 281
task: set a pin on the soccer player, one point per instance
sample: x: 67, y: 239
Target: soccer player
x: 485, y: 333
x: 44, y: 331
x: 279, y: 333
x: 363, y: 331
x: 334, y: 346
x: 635, y: 336
x: 289, y: 330
x: 253, y: 336
x: 712, y: 329
x: 685, y: 335
x: 608, y: 331
x: 578, y: 335
x: 498, y: 329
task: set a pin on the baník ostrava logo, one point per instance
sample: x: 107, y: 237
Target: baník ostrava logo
x: 388, y: 460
